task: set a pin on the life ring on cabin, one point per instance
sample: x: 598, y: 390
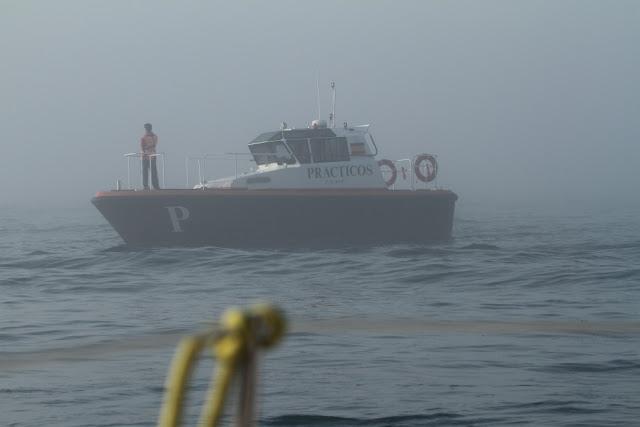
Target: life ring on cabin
x: 394, y: 172
x: 432, y: 167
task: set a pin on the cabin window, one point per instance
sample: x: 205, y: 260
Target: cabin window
x: 329, y: 150
x: 271, y: 152
x: 358, y: 149
x: 300, y: 148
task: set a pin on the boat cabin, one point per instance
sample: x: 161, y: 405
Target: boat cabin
x: 313, y: 158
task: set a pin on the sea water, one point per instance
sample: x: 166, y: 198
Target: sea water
x: 524, y: 318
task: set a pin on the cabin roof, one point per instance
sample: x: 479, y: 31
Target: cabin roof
x: 294, y: 134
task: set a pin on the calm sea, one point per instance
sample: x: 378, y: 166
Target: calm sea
x: 525, y: 318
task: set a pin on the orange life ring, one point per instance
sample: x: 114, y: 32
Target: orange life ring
x: 394, y: 171
x: 432, y: 167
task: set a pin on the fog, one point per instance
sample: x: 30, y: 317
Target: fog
x: 532, y: 102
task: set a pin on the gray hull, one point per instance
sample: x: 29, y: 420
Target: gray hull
x: 275, y: 218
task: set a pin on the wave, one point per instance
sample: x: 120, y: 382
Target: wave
x: 617, y: 246
x: 481, y: 246
x: 432, y: 250
x: 617, y: 365
x: 435, y: 419
x: 52, y: 262
x: 25, y: 390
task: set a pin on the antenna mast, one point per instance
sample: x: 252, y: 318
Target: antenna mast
x: 332, y: 116
x: 318, y: 93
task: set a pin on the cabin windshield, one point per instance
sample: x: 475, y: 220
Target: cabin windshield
x: 303, y: 146
x: 271, y: 152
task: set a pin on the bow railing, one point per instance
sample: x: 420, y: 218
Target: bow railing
x: 141, y: 156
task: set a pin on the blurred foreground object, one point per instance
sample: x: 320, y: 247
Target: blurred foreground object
x: 235, y: 344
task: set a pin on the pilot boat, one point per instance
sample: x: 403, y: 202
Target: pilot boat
x: 315, y: 186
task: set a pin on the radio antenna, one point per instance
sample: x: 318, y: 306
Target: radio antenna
x: 332, y: 116
x: 318, y: 93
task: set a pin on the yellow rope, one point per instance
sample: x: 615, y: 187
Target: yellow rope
x: 241, y: 334
x: 228, y: 350
x: 181, y: 368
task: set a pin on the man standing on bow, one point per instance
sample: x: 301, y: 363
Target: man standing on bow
x: 148, y: 144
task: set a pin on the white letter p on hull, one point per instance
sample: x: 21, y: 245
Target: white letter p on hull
x: 177, y: 214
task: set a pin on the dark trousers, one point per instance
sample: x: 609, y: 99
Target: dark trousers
x: 146, y: 163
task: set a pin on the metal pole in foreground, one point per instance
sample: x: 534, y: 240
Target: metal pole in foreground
x: 248, y: 380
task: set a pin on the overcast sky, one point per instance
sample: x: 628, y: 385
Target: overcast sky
x: 523, y: 100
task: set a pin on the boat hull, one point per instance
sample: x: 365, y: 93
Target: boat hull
x: 271, y: 218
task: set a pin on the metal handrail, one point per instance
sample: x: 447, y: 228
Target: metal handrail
x: 129, y: 156
x: 201, y: 162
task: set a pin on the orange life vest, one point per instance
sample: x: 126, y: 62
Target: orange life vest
x: 148, y: 144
